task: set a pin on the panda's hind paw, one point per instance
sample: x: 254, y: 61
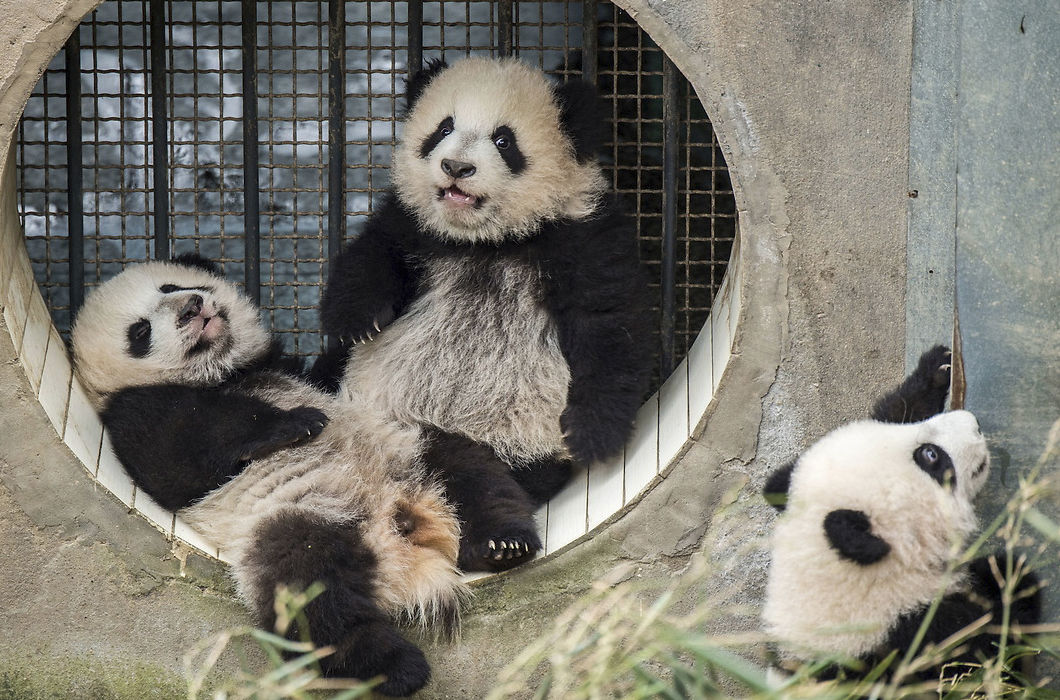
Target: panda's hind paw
x: 499, y: 552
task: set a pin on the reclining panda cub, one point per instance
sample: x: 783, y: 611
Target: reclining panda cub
x: 871, y: 518
x: 211, y: 420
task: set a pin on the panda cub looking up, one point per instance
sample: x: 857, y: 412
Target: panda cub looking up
x: 496, y: 298
x: 295, y: 486
x: 873, y: 515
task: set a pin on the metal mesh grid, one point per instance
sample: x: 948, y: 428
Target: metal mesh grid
x: 205, y: 136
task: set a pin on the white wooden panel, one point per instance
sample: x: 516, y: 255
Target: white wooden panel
x: 112, y: 475
x: 16, y: 304
x: 84, y: 431
x: 155, y: 514
x: 191, y: 536
x: 567, y: 511
x: 722, y: 341
x: 35, y: 342
x: 606, y: 482
x: 700, y: 375
x: 673, y: 414
x: 642, y: 452
x: 55, y: 382
x: 541, y: 518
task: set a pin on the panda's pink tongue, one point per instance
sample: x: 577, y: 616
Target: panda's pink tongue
x: 455, y: 195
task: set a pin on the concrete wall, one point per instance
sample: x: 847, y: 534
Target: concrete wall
x: 810, y: 101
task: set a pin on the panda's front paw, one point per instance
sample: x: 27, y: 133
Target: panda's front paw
x: 367, y: 327
x: 289, y: 429
x: 380, y: 652
x: 934, y: 368
x: 502, y: 549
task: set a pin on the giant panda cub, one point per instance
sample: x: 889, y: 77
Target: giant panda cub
x: 496, y: 298
x: 872, y: 518
x: 294, y: 485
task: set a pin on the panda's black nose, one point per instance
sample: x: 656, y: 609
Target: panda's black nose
x: 190, y: 310
x: 457, y: 168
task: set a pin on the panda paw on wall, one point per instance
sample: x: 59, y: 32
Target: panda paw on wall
x: 495, y: 297
x: 871, y: 518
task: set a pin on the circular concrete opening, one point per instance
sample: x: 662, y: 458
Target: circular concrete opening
x: 198, y: 186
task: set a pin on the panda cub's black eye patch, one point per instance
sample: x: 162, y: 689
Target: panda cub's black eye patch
x: 444, y: 128
x: 170, y: 288
x: 139, y: 335
x: 935, y: 462
x: 504, y: 140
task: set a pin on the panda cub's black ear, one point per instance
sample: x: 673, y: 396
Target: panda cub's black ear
x: 850, y: 534
x: 776, y: 489
x: 416, y: 84
x: 196, y: 260
x: 581, y: 116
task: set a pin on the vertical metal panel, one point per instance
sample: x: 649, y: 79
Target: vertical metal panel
x: 504, y: 27
x: 74, y: 159
x: 590, y: 40
x: 251, y: 196
x: 159, y: 129
x: 336, y: 126
x: 415, y: 36
x: 669, y: 215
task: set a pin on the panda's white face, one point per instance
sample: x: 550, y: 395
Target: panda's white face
x: 484, y: 156
x: 914, y: 481
x: 163, y: 322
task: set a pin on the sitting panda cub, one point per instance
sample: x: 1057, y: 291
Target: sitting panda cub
x: 295, y: 486
x: 496, y: 297
x: 872, y: 516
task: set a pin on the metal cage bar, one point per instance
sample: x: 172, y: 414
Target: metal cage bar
x: 415, y: 38
x: 159, y: 129
x: 668, y: 281
x: 75, y: 184
x: 336, y: 127
x: 251, y: 185
x: 590, y: 40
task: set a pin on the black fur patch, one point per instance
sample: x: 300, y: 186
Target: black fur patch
x: 415, y: 85
x: 196, y: 260
x: 295, y: 549
x: 776, y: 489
x: 513, y: 157
x: 922, y: 394
x: 581, y: 117
x: 936, y: 463
x: 850, y: 533
x: 139, y: 335
x: 170, y: 288
x: 435, y: 138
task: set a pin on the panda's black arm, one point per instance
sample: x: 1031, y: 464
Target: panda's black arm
x: 597, y: 295
x: 922, y: 394
x: 371, y: 281
x: 179, y: 443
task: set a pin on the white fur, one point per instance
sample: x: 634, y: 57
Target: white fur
x: 481, y: 94
x: 448, y: 361
x: 818, y: 602
x: 362, y: 469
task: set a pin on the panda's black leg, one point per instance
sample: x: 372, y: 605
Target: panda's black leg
x: 922, y: 394
x: 497, y: 527
x: 543, y: 478
x: 295, y: 548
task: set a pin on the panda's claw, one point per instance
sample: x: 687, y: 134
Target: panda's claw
x: 493, y: 545
x: 376, y: 324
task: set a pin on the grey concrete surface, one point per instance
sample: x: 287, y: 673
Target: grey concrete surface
x: 810, y: 101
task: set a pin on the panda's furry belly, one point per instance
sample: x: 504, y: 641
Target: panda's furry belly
x: 476, y: 354
x: 361, y: 471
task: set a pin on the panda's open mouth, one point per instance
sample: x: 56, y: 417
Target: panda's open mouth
x: 455, y: 196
